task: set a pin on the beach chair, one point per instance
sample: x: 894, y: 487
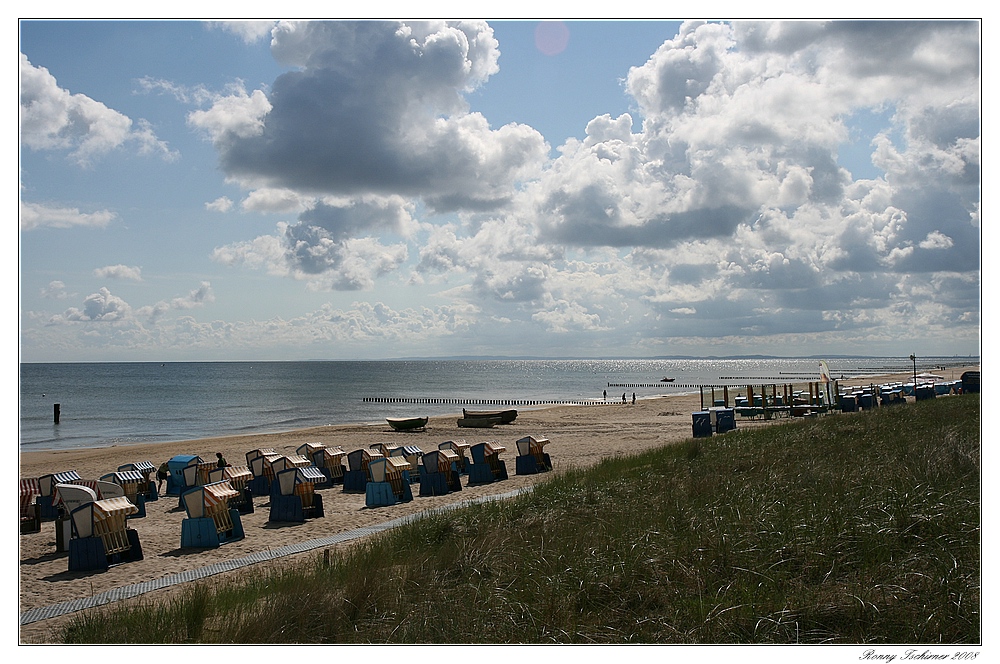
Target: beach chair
x: 296, y: 499
x: 260, y: 485
x: 263, y: 473
x: 275, y: 464
x: 356, y: 475
x: 413, y: 456
x: 211, y: 521
x: 148, y: 470
x: 177, y: 478
x: 30, y: 513
x: 701, y: 424
x: 101, y: 536
x: 723, y: 419
x: 486, y: 464
x: 47, y: 486
x: 66, y: 498
x: 385, y: 449
x: 239, y: 477
x: 531, y: 458
x: 308, y: 450
x: 439, y: 473
x: 135, y: 486
x: 386, y: 484
x: 330, y: 461
x: 256, y: 454
x: 461, y: 448
x: 314, y: 452
x: 102, y: 488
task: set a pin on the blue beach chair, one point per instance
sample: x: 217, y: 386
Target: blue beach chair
x: 101, y: 536
x: 487, y: 466
x: 294, y: 498
x: 531, y: 458
x: 211, y: 520
x: 387, y: 484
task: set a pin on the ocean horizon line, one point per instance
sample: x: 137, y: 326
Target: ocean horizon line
x: 495, y: 358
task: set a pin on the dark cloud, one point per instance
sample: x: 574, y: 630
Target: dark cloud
x: 377, y: 107
x: 734, y: 317
x: 592, y: 217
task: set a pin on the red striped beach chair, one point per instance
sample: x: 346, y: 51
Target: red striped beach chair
x: 531, y: 457
x: 239, y: 477
x: 30, y: 513
x: 211, y: 519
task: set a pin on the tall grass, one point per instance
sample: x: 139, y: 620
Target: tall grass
x: 861, y: 528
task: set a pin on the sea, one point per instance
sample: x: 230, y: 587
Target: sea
x: 122, y: 403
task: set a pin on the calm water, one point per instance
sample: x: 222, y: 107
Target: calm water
x: 105, y: 404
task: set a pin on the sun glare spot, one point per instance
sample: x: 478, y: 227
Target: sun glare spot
x: 551, y: 37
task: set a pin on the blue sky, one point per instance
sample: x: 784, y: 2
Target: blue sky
x: 352, y: 190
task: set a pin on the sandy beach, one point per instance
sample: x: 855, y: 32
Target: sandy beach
x: 579, y: 436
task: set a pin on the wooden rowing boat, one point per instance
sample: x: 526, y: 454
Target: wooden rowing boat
x: 506, y: 416
x: 406, y: 423
x: 478, y: 422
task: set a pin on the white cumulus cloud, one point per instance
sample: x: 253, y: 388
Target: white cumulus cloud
x: 52, y: 118
x: 129, y: 272
x: 35, y: 215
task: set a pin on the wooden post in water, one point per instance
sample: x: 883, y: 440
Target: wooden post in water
x: 55, y: 413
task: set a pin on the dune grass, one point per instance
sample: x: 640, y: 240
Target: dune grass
x: 847, y: 529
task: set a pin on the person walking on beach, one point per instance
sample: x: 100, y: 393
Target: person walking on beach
x: 633, y: 398
x: 623, y: 398
x: 605, y: 395
x: 161, y: 474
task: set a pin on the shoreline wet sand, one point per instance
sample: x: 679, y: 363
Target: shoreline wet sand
x: 579, y: 436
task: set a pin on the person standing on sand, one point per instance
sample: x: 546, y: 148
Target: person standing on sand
x: 605, y: 395
x: 161, y: 474
x: 623, y: 398
x: 221, y: 463
x: 633, y: 398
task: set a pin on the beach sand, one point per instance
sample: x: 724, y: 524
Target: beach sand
x: 579, y: 436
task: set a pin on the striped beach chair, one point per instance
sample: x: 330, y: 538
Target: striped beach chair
x: 47, y: 486
x: 276, y: 464
x: 101, y: 536
x: 135, y: 486
x: 296, y: 499
x: 239, y: 477
x: 387, y: 484
x: 413, y: 456
x: 196, y: 472
x: 356, y: 476
x: 330, y: 461
x: 309, y: 450
x: 30, y: 513
x: 385, y: 449
x: 65, y: 499
x: 260, y: 485
x: 211, y: 520
x: 487, y: 466
x: 148, y: 471
x: 439, y: 473
x: 461, y: 448
x: 531, y: 457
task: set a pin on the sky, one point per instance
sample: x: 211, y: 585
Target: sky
x: 194, y: 190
